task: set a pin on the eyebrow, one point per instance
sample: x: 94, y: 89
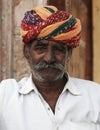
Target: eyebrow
x: 40, y: 43
x: 61, y: 46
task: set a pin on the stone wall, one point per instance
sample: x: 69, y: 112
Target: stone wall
x: 96, y: 40
x: 12, y: 62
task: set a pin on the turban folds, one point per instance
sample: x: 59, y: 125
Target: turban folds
x: 51, y: 24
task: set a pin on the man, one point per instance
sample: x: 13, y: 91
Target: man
x: 49, y: 99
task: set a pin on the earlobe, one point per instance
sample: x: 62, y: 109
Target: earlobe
x: 69, y: 55
x: 26, y: 52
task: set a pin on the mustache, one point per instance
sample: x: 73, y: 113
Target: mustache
x: 45, y: 65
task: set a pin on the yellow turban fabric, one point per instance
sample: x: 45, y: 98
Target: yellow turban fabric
x: 51, y: 24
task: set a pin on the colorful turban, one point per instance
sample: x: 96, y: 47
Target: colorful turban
x: 49, y: 23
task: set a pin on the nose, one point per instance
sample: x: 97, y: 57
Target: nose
x: 49, y: 56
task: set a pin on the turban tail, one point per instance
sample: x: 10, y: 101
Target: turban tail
x: 51, y: 24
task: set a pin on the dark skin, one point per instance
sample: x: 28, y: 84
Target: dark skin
x: 48, y: 51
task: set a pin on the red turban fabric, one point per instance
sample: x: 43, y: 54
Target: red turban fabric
x: 51, y: 24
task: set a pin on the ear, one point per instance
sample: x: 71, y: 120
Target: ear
x: 69, y: 54
x: 26, y: 52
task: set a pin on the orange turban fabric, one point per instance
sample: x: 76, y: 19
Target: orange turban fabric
x: 51, y: 24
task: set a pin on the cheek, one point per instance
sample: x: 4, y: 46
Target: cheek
x: 35, y: 58
x: 61, y: 58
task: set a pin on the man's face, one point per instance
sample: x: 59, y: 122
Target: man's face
x: 47, y: 60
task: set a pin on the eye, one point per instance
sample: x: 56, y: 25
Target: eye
x: 40, y: 49
x: 60, y: 49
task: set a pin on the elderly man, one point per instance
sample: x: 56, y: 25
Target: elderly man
x: 49, y: 99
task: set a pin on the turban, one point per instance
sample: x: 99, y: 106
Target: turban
x: 49, y: 23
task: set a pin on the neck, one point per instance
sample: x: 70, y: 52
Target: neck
x: 51, y: 90
x: 52, y: 86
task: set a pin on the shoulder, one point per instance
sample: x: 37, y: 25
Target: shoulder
x: 87, y: 87
x: 11, y: 83
x: 9, y: 87
x: 8, y: 82
x: 9, y: 90
x: 85, y: 83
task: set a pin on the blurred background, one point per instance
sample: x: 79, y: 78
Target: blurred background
x: 85, y: 62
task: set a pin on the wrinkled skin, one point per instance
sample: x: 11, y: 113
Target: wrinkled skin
x: 47, y: 60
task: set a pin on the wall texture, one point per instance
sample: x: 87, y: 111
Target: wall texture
x: 20, y: 66
x: 6, y: 37
x: 96, y: 40
x: 12, y: 62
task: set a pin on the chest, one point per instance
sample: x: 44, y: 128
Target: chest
x: 32, y: 112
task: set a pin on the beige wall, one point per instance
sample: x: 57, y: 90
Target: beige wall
x: 20, y: 66
x: 5, y: 38
x: 12, y: 62
x: 96, y: 40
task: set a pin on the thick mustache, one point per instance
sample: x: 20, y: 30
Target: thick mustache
x: 45, y: 65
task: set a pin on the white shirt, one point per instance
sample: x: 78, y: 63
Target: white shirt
x: 23, y: 108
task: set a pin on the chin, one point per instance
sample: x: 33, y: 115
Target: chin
x: 47, y: 77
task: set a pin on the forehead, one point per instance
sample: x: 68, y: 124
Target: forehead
x: 47, y: 42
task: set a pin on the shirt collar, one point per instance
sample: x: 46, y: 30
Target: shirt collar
x: 27, y: 85
x: 71, y: 87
